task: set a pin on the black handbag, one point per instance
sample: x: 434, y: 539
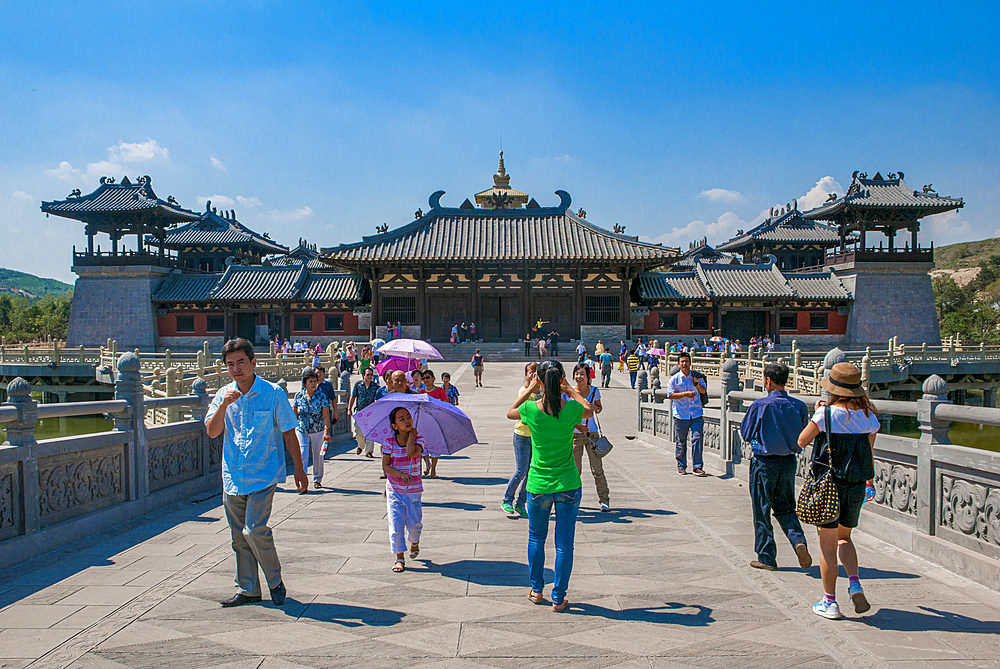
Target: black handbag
x: 818, y: 502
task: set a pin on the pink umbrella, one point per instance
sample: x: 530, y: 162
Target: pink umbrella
x: 659, y: 352
x: 396, y: 364
x: 444, y: 427
x: 410, y: 348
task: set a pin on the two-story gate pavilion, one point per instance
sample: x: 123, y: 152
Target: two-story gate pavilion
x: 504, y: 265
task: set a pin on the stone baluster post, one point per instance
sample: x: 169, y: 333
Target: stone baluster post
x: 866, y: 368
x: 171, y: 392
x: 3, y: 350
x: 198, y: 413
x: 832, y: 358
x: 206, y: 350
x: 128, y: 387
x: 932, y: 431
x: 642, y: 379
x: 270, y: 347
x: 201, y: 363
x: 730, y: 376
x: 27, y: 355
x: 82, y: 353
x: 796, y: 361
x: 114, y: 349
x: 56, y: 353
x: 21, y: 434
x: 167, y: 359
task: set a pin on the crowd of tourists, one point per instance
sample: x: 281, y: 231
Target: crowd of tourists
x: 556, y: 424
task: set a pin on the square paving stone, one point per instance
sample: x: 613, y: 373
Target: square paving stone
x: 461, y: 609
x: 280, y: 639
x: 109, y: 595
x: 34, y: 615
x: 31, y: 643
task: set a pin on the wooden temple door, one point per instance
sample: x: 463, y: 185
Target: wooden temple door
x: 443, y: 314
x: 500, y: 318
x: 557, y: 314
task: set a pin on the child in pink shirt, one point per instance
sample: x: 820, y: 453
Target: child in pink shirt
x: 403, y: 487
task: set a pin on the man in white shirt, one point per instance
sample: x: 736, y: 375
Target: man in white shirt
x: 683, y: 393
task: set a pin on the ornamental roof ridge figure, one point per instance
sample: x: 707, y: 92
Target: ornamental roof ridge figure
x: 501, y: 195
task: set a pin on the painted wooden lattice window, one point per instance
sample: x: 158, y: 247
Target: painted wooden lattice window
x: 334, y: 322
x: 303, y: 323
x: 185, y: 323
x: 668, y: 321
x: 602, y: 310
x: 699, y: 322
x: 216, y: 323
x: 399, y: 309
x: 788, y: 321
x: 818, y: 321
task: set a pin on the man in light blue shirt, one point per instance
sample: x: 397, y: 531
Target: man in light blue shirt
x: 256, y: 419
x: 683, y: 393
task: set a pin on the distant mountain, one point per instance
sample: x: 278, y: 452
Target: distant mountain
x: 966, y: 254
x: 31, y: 286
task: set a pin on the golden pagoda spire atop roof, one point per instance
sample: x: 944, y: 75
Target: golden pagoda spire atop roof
x: 501, y: 196
x: 501, y: 178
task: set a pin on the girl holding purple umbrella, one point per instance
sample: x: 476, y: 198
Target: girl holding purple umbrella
x: 401, y: 464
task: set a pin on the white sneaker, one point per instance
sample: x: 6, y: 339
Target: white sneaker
x: 831, y: 610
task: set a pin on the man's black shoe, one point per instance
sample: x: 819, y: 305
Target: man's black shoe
x: 278, y: 594
x: 239, y: 599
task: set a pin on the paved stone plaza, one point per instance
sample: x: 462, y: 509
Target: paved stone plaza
x: 661, y: 581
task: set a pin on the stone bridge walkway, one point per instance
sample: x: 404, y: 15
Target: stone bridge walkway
x: 660, y: 581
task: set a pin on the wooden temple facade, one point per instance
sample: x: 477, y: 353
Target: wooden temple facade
x: 504, y: 264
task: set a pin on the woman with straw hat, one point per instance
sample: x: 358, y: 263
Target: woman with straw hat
x: 853, y: 424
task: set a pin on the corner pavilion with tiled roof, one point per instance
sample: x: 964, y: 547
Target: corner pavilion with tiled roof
x: 206, y: 244
x: 503, y: 265
x: 794, y: 241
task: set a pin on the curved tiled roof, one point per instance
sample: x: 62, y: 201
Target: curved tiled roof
x: 880, y: 192
x: 257, y: 283
x: 179, y: 287
x: 321, y: 287
x: 288, y: 261
x: 789, y: 227
x: 118, y: 198
x: 214, y: 230
x: 763, y: 281
x: 500, y: 234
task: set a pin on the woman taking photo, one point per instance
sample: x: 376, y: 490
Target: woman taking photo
x: 586, y: 432
x: 853, y: 425
x: 553, y: 479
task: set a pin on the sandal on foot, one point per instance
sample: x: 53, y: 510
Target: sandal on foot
x: 414, y: 551
x: 559, y: 608
x: 398, y: 566
x: 536, y: 597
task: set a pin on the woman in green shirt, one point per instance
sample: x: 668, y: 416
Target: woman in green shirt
x: 553, y: 479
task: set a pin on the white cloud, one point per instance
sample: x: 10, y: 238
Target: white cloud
x: 216, y: 163
x: 65, y: 171
x: 248, y: 201
x: 291, y: 214
x: 944, y: 228
x: 722, y: 195
x: 819, y: 193
x: 22, y: 196
x: 216, y: 200
x: 120, y: 157
x: 719, y: 231
x: 138, y: 153
x: 564, y: 158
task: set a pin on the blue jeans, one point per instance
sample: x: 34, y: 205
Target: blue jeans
x: 567, y: 505
x: 694, y: 426
x: 772, y: 490
x: 517, y: 483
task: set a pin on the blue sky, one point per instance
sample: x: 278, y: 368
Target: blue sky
x: 323, y: 120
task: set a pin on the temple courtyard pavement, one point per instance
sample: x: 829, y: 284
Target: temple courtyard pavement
x: 662, y: 580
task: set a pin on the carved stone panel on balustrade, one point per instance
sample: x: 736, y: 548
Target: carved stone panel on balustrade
x: 646, y: 420
x: 215, y: 453
x: 895, y: 487
x: 663, y: 424
x: 174, y: 455
x: 969, y: 510
x: 72, y: 484
x: 712, y: 435
x: 10, y: 501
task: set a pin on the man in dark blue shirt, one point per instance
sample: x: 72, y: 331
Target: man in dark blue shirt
x: 772, y: 426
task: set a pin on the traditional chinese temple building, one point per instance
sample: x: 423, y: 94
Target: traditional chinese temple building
x: 504, y: 264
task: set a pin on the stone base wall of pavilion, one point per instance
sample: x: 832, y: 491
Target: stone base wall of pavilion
x: 890, y: 299
x: 115, y: 302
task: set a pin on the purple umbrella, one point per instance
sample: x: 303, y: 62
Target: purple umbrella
x: 443, y: 426
x: 396, y: 364
x: 659, y: 352
x: 410, y: 348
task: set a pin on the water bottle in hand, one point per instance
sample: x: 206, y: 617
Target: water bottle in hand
x: 869, y: 493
